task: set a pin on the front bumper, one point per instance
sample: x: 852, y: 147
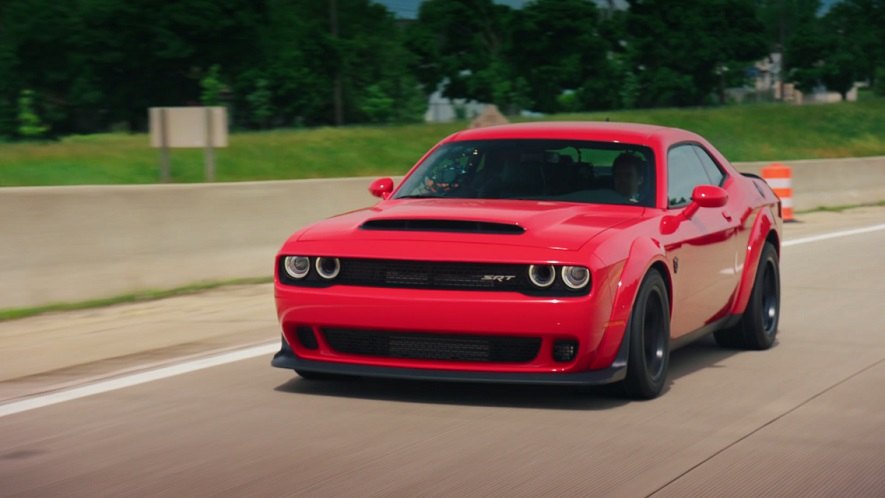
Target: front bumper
x: 286, y: 358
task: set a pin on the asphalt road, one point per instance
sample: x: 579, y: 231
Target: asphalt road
x: 806, y: 418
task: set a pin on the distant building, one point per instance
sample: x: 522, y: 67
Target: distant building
x: 442, y: 109
x: 768, y: 85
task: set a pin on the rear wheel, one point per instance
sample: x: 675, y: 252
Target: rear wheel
x: 757, y: 327
x: 649, y: 336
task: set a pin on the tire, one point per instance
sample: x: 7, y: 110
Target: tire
x: 648, y: 360
x: 757, y: 327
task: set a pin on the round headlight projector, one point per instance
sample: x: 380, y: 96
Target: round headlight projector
x: 542, y: 275
x: 297, y: 266
x: 328, y: 268
x: 575, y: 277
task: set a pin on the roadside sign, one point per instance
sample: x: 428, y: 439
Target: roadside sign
x: 188, y: 127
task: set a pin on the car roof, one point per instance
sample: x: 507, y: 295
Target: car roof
x: 579, y: 130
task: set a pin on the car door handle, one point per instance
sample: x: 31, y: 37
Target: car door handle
x: 726, y: 216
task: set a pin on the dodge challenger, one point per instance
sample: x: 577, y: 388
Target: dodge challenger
x: 571, y: 253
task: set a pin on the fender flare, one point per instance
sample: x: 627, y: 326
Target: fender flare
x: 644, y: 254
x: 762, y: 226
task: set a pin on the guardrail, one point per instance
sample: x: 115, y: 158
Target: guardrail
x: 65, y: 244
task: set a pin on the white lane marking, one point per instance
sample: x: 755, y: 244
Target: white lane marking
x: 135, y: 379
x: 246, y: 353
x: 833, y: 235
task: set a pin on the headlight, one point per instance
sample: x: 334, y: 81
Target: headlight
x: 542, y: 275
x: 575, y: 277
x: 297, y: 266
x: 328, y: 268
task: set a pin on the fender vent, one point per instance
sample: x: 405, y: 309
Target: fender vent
x: 443, y: 226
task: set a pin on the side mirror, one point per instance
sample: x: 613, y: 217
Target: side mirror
x: 381, y: 187
x: 709, y: 196
x: 705, y: 196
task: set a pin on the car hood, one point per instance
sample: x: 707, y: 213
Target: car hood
x: 537, y: 224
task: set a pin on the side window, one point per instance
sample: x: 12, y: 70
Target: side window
x: 684, y: 173
x: 713, y: 171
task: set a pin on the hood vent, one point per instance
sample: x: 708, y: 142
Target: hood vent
x: 443, y: 226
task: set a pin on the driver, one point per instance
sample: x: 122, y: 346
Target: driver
x: 627, y: 174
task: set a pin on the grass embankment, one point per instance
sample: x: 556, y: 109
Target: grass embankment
x: 743, y: 133
x: 148, y: 295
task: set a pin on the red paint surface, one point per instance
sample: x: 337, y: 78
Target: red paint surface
x: 717, y: 250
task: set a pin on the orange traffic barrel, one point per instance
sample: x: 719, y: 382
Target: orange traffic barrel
x: 780, y: 179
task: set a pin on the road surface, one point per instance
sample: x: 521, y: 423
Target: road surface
x: 806, y: 418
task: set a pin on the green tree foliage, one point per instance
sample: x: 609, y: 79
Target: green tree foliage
x: 212, y: 87
x: 682, y: 55
x: 29, y: 123
x: 377, y: 106
x: 461, y: 42
x: 300, y: 59
x: 8, y: 84
x: 804, y: 53
x: 99, y: 64
x: 855, y: 34
x: 784, y: 21
x: 556, y: 46
x: 879, y: 85
x: 844, y: 46
x: 261, y: 104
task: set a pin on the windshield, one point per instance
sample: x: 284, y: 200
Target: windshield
x: 549, y: 170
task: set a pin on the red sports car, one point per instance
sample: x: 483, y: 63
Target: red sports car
x: 558, y: 253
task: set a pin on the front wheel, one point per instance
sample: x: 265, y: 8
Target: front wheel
x: 649, y: 336
x: 757, y: 327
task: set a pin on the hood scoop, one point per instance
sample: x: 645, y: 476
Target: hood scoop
x: 460, y: 226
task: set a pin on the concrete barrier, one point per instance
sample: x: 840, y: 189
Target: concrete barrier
x: 831, y: 182
x: 77, y: 243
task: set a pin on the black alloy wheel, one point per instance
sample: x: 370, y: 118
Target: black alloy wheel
x: 757, y: 327
x: 649, y: 335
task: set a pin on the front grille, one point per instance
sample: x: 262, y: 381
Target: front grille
x: 433, y: 275
x: 438, y: 275
x: 454, y: 347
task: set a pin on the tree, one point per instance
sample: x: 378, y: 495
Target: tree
x: 260, y: 103
x: 840, y: 48
x: 301, y: 59
x: 212, y: 87
x: 787, y: 26
x: 838, y: 72
x: 682, y: 55
x: 856, y: 43
x: 29, y: 123
x: 806, y: 51
x: 461, y: 42
x: 556, y: 47
x: 376, y: 105
x: 7, y: 83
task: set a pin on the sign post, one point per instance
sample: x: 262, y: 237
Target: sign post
x: 188, y: 127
